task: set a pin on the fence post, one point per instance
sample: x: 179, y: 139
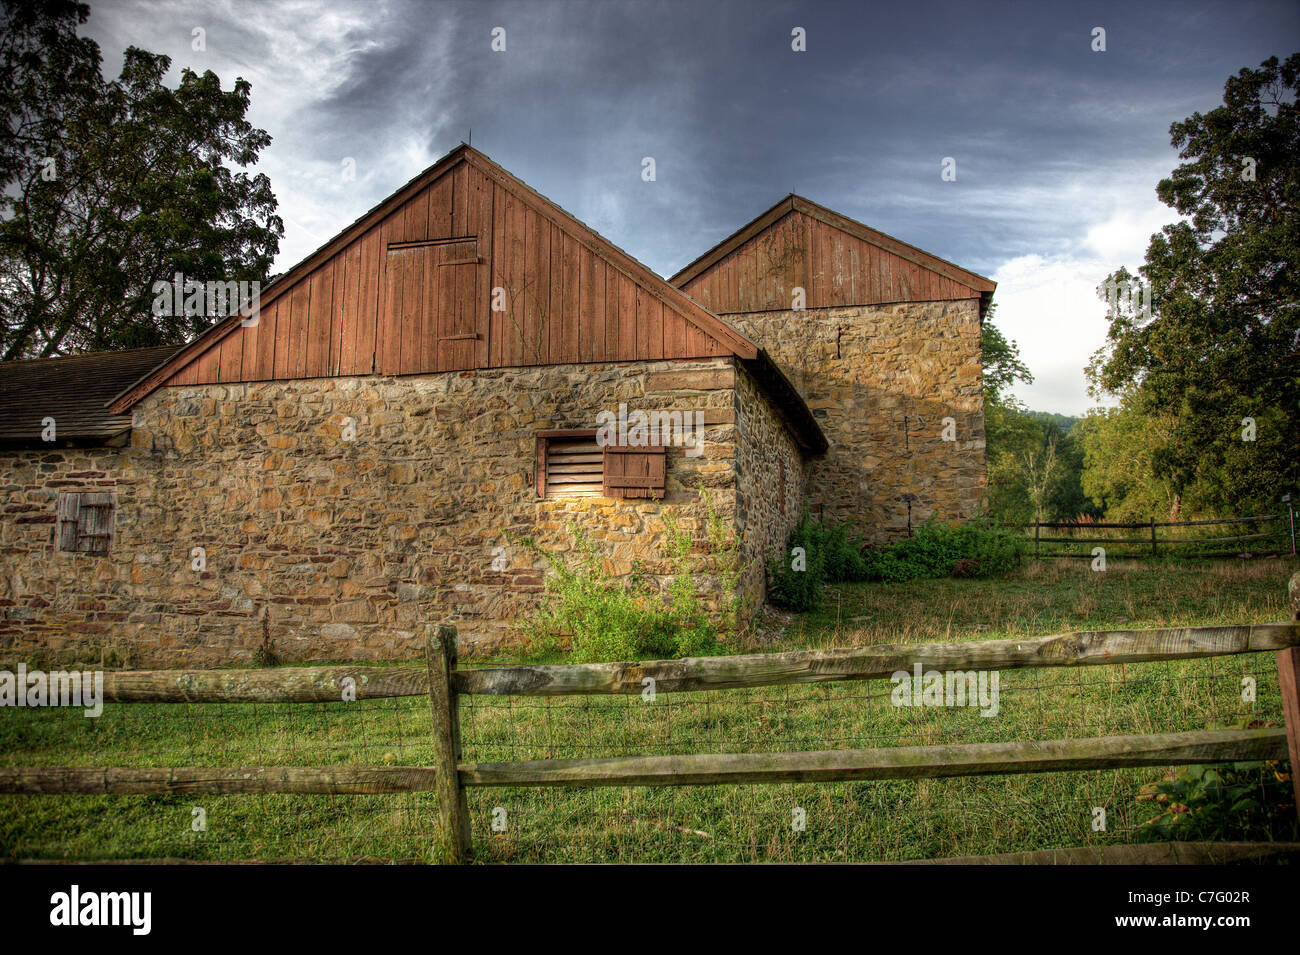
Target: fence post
x: 1035, y: 537
x: 1290, y: 513
x: 1153, y: 537
x: 441, y: 653
x: 1288, y: 681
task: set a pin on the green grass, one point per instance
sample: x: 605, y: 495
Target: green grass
x: 845, y: 821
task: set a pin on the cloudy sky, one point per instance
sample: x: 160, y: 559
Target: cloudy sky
x: 1058, y: 148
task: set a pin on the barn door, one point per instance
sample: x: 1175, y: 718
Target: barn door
x: 434, y: 320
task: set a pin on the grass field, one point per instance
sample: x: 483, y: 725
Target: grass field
x: 844, y: 821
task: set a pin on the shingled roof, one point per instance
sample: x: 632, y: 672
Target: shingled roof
x: 74, y: 391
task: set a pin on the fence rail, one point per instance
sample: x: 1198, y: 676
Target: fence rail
x: 327, y: 684
x: 450, y: 775
x: 1151, y: 541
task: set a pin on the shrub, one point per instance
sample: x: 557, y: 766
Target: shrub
x: 973, y: 549
x: 1229, y: 801
x: 834, y: 554
x: 601, y: 617
x: 831, y: 554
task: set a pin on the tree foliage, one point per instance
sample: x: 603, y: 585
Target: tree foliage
x: 1213, y: 367
x: 109, y: 186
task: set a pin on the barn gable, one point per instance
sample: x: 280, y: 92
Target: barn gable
x: 411, y: 286
x: 836, y: 260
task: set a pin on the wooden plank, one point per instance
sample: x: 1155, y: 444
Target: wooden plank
x: 440, y: 649
x: 69, y: 510
x: 477, y: 315
x: 251, y: 336
x: 320, y: 326
x: 517, y: 274
x: 626, y: 344
x: 291, y: 354
x: 538, y: 302
x: 591, y: 303
x: 231, y: 350
x: 415, y: 218
x: 424, y: 310
x: 272, y: 318
x: 554, y: 350
x: 458, y: 342
x: 394, y: 306
x: 440, y: 196
x: 343, y: 348
x: 1288, y: 679
x: 570, y: 318
x: 287, y: 685
x: 901, y: 762
x: 208, y: 364
x: 368, y: 293
x: 1093, y: 648
x: 610, y: 350
x: 1142, y: 853
x: 186, y: 376
x: 539, y: 469
x: 675, y: 337
x: 205, y: 780
x: 459, y: 177
x: 389, y: 322
x: 649, y: 325
x: 498, y: 322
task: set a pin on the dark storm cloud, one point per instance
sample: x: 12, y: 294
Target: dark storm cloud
x: 1058, y: 148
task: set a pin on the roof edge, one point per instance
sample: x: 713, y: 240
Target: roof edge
x: 658, y: 286
x: 772, y: 380
x: 796, y: 203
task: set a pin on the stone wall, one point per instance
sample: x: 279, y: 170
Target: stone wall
x: 337, y: 549
x: 880, y: 380
x: 770, y: 484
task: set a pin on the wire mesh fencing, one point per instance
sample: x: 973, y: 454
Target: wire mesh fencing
x: 326, y: 828
x: 879, y: 820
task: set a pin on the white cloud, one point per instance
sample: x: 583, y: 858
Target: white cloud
x: 1049, y: 304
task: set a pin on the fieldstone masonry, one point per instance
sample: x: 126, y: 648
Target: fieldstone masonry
x: 341, y: 550
x: 881, y: 379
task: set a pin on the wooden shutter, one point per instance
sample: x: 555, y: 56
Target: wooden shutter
x: 85, y: 522
x: 69, y: 506
x: 95, y: 522
x: 635, y: 471
x: 569, y: 465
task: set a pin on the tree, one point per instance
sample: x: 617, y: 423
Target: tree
x: 1215, y: 358
x: 110, y: 186
x: 1002, y: 364
x: 1119, y: 447
x: 1011, y: 435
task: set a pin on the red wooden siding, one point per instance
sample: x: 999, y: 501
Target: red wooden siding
x: 833, y: 267
x: 404, y: 298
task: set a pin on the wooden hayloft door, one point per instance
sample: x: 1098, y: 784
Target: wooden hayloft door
x: 433, y: 307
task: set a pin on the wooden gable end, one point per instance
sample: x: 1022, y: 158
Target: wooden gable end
x: 837, y: 262
x: 471, y: 270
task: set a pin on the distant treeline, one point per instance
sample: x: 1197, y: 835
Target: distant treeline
x: 1202, y: 354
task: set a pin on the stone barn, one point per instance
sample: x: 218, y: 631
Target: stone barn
x: 466, y: 365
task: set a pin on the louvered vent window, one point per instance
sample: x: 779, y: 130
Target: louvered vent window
x: 572, y: 464
x: 569, y: 464
x: 85, y: 522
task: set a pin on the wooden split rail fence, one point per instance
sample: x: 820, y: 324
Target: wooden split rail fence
x: 444, y: 683
x: 1267, y: 543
